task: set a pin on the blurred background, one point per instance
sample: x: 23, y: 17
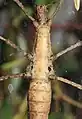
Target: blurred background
x: 66, y: 30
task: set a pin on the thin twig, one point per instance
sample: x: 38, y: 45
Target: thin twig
x: 23, y: 9
x: 67, y: 82
x: 60, y: 95
x: 57, y: 8
x: 9, y: 42
x: 68, y: 49
x: 14, y: 76
x: 71, y: 101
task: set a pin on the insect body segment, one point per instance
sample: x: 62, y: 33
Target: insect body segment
x: 41, y: 57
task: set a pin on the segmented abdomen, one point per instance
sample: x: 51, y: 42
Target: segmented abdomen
x: 39, y: 99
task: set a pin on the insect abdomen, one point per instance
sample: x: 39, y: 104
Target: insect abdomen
x: 39, y: 99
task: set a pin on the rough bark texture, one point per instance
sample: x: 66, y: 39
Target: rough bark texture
x: 40, y: 87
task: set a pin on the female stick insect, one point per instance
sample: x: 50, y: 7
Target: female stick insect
x: 39, y: 97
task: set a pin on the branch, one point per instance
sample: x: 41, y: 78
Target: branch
x: 23, y: 9
x: 57, y: 89
x: 15, y: 76
x: 76, y: 85
x: 56, y: 10
x: 71, y: 101
x: 9, y: 42
x: 78, y: 44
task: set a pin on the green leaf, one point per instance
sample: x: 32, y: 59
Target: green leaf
x: 6, y: 112
x: 56, y: 115
x: 14, y: 63
x: 42, y: 2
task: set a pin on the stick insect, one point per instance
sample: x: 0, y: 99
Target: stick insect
x: 39, y: 97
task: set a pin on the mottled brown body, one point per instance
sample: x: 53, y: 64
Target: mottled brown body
x: 40, y: 87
